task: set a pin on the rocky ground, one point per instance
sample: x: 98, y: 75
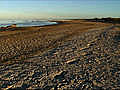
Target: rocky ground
x: 89, y: 60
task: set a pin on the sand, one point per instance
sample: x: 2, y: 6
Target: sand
x: 72, y: 55
x: 22, y: 42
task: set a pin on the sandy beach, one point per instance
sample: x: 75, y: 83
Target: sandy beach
x: 24, y: 41
x: 75, y: 54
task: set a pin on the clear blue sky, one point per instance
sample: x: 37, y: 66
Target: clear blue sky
x: 44, y: 9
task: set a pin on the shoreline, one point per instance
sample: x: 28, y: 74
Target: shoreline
x: 58, y: 22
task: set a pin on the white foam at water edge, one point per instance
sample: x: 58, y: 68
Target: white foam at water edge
x: 25, y: 23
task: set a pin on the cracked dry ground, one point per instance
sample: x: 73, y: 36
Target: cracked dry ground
x: 90, y: 60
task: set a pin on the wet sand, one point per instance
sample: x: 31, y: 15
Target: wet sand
x: 72, y: 55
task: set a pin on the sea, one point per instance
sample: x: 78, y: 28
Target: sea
x: 25, y: 23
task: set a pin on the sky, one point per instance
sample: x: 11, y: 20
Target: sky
x: 58, y: 9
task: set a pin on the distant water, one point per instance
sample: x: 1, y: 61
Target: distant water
x: 25, y: 23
